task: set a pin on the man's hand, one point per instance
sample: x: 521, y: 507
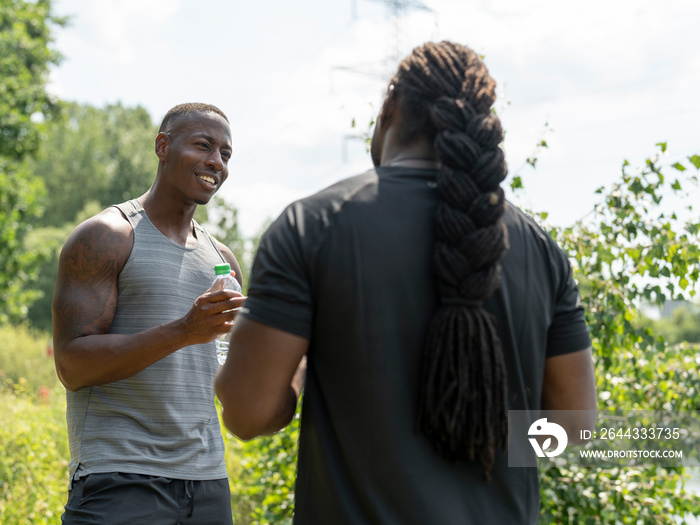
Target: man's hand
x: 212, y: 314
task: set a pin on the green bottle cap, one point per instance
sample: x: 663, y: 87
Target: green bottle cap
x: 222, y: 269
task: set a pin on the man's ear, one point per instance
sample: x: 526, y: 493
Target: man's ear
x: 162, y: 143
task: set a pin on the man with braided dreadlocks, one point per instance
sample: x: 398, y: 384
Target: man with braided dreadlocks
x: 426, y: 306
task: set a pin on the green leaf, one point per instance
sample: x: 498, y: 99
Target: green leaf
x: 662, y: 145
x: 679, y: 166
x: 676, y: 185
x: 695, y: 159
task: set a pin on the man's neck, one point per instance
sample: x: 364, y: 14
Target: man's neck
x: 172, y: 221
x: 412, y: 162
x: 420, y: 153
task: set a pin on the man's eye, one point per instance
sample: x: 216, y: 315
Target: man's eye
x: 203, y: 144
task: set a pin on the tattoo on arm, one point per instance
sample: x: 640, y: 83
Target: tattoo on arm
x: 87, y: 283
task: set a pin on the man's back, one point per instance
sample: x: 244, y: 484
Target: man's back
x: 364, y: 245
x: 387, y: 285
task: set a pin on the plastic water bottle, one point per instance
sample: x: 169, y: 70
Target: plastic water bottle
x: 223, y: 281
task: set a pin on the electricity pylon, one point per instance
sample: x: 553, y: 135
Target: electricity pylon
x: 397, y: 10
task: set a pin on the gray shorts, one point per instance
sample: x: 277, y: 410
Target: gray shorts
x: 133, y: 499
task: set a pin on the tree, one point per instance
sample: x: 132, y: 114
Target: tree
x: 89, y: 158
x: 25, y: 39
x: 50, y: 240
x: 683, y: 325
x: 20, y: 195
x: 104, y: 155
x: 221, y: 220
x: 25, y: 58
x: 633, y: 249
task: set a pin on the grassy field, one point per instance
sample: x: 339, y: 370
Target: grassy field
x: 34, y: 451
x: 34, y: 454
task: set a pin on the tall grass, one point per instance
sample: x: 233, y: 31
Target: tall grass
x: 33, y: 456
x: 34, y: 450
x: 33, y: 442
x: 27, y: 356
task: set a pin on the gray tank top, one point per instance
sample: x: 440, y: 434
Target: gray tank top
x: 161, y: 421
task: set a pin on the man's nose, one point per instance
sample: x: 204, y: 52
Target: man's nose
x: 215, y: 161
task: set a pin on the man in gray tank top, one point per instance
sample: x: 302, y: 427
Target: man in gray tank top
x: 133, y: 332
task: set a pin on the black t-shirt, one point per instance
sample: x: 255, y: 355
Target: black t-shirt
x: 350, y: 269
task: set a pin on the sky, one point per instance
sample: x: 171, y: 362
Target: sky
x: 601, y: 82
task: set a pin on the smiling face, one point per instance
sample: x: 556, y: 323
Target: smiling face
x: 194, y: 153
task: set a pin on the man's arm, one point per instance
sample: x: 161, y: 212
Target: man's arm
x: 85, y: 301
x: 569, y: 385
x: 260, y: 383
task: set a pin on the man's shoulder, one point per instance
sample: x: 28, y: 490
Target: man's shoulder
x: 519, y: 222
x: 331, y: 199
x: 110, y: 219
x: 342, y: 190
x: 109, y: 226
x: 308, y: 218
x: 528, y: 239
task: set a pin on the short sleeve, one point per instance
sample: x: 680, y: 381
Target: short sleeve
x: 279, y: 294
x: 568, y: 331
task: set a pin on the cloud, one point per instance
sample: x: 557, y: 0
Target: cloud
x: 612, y: 78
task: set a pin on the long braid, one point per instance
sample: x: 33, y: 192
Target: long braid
x: 447, y: 93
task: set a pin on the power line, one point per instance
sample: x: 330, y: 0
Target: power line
x: 397, y: 10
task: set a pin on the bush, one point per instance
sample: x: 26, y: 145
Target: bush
x: 34, y: 451
x: 33, y: 441
x: 632, y: 250
x: 33, y: 455
x: 262, y: 473
x: 27, y: 356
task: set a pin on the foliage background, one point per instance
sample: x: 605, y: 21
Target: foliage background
x: 634, y: 249
x: 34, y: 446
x: 25, y: 58
x: 61, y: 162
x: 636, y: 369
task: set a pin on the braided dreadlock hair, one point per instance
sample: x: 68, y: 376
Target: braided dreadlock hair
x: 445, y: 93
